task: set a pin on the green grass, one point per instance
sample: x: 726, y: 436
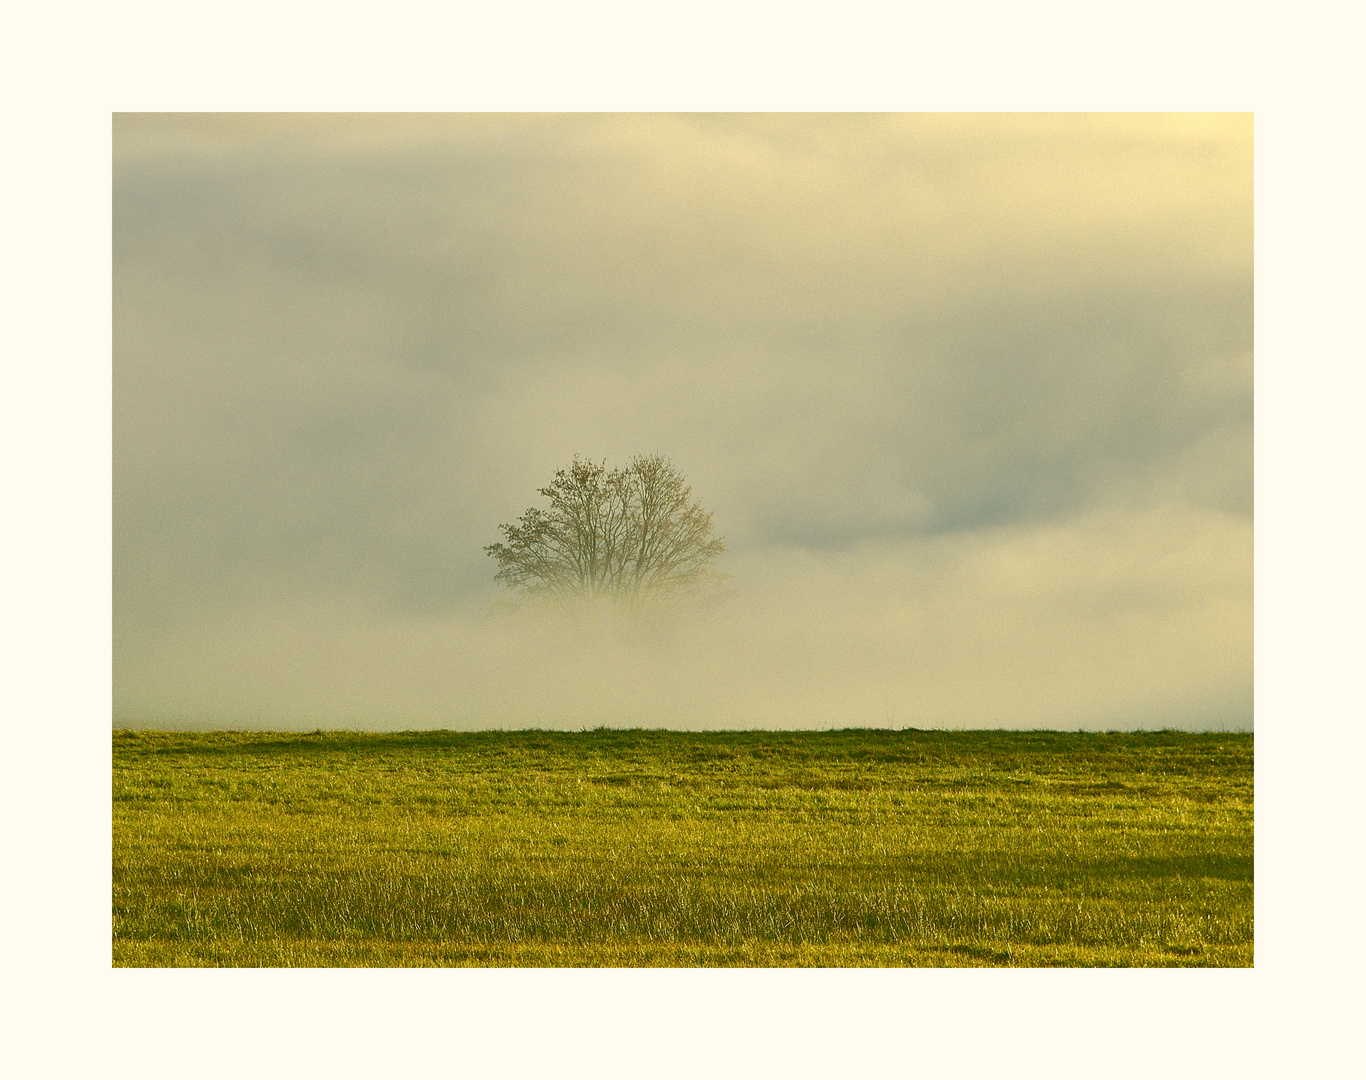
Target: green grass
x: 658, y: 848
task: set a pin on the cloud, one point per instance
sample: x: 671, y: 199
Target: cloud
x: 346, y: 348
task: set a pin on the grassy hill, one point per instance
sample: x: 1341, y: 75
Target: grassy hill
x: 660, y: 848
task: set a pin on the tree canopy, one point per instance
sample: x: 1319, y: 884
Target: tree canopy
x: 633, y: 537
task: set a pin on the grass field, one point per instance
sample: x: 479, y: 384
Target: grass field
x: 656, y: 848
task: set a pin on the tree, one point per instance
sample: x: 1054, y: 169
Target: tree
x: 632, y: 537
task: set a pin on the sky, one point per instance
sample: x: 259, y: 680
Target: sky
x: 969, y: 397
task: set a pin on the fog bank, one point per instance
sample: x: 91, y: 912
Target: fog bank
x: 970, y: 398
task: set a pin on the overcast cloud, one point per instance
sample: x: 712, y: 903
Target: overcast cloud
x: 970, y: 398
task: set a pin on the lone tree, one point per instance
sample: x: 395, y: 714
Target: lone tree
x: 632, y: 537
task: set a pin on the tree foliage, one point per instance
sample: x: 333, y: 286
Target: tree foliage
x: 633, y: 537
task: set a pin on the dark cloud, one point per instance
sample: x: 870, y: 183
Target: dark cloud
x: 346, y: 348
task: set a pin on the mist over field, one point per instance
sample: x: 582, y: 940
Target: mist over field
x: 969, y: 397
